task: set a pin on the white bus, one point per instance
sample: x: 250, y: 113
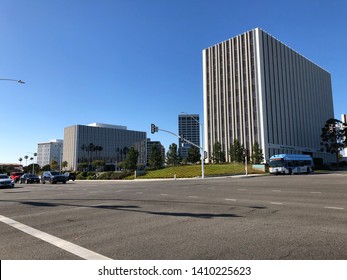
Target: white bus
x: 291, y: 163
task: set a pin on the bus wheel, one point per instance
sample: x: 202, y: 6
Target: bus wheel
x: 289, y: 171
x: 308, y: 170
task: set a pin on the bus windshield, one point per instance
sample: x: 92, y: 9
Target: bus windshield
x: 277, y: 163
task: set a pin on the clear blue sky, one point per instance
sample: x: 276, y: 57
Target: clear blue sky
x: 137, y: 62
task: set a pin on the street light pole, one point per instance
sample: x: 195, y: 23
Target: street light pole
x: 13, y: 80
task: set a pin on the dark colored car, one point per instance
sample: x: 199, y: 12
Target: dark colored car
x: 53, y: 177
x: 70, y: 176
x: 6, y: 181
x: 28, y: 178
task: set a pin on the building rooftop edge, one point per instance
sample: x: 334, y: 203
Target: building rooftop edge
x: 258, y: 28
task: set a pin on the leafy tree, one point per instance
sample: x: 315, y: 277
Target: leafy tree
x: 172, y: 156
x: 218, y: 155
x: 193, y: 154
x: 131, y: 159
x: 54, y: 164
x: 64, y: 164
x: 46, y: 167
x: 156, y: 158
x: 333, y: 137
x: 82, y: 166
x: 33, y: 167
x: 257, y: 154
x: 98, y: 164
x: 237, y: 152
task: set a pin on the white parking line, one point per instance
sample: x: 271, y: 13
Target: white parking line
x: 230, y: 199
x: 316, y: 192
x: 276, y: 190
x: 164, y: 194
x: 334, y: 208
x: 58, y: 242
x: 276, y: 203
x: 192, y: 196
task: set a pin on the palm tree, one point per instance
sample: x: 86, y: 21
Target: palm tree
x: 98, y: 149
x: 26, y: 160
x: 32, y: 163
x: 20, y: 160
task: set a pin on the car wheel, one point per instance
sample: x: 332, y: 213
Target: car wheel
x: 64, y: 182
x: 43, y: 181
x: 27, y: 181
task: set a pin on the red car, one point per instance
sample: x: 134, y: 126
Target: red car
x: 15, y: 176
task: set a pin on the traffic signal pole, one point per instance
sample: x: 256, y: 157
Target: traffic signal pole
x: 154, y: 129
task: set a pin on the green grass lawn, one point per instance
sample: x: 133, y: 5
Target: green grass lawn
x: 191, y: 171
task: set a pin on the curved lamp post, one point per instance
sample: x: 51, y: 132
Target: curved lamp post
x: 13, y: 80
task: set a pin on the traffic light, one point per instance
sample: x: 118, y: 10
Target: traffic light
x: 154, y: 128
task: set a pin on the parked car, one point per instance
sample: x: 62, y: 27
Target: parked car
x: 6, y: 181
x: 28, y: 178
x: 15, y: 176
x: 70, y: 176
x: 53, y: 177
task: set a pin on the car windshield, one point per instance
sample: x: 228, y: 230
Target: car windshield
x: 55, y: 173
x: 30, y: 175
x: 3, y: 177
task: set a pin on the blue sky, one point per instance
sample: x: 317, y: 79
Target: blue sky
x: 137, y: 62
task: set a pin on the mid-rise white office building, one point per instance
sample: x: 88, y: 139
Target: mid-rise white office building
x: 48, y: 151
x: 258, y: 89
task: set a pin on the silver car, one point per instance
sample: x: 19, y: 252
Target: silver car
x: 6, y: 181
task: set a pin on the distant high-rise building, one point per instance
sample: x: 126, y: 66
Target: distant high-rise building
x: 110, y: 143
x: 257, y: 89
x: 189, y: 129
x: 48, y: 151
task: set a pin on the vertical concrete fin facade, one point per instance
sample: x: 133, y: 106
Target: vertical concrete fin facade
x: 231, y: 93
x: 258, y: 89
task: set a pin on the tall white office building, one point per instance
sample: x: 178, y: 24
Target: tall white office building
x: 258, y: 89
